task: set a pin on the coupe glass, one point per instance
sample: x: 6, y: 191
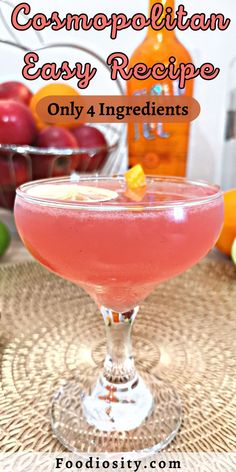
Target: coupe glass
x: 118, y: 251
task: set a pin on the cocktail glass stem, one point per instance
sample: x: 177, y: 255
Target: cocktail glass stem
x: 120, y: 400
x: 119, y: 362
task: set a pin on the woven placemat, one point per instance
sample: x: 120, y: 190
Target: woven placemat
x: 49, y: 328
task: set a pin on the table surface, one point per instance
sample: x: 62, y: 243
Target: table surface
x: 50, y: 331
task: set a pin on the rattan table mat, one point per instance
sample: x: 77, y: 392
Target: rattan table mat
x: 185, y: 332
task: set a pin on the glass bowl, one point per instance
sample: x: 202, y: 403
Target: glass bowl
x: 20, y: 164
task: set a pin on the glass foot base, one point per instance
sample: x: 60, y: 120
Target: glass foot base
x: 88, y: 423
x: 120, y: 407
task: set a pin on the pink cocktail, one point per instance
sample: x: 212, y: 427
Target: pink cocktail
x: 90, y: 233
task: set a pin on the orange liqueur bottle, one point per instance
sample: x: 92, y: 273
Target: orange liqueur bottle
x: 160, y: 148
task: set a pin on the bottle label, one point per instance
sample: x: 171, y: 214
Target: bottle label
x: 151, y: 131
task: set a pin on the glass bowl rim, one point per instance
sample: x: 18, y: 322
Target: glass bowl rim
x: 33, y: 150
x: 64, y: 152
x: 111, y: 205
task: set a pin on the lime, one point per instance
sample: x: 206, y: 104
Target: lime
x: 5, y: 238
x: 233, y: 251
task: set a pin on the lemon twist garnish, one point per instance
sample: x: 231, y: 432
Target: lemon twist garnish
x: 136, y: 183
x: 135, y: 177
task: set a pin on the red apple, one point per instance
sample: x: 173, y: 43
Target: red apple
x: 52, y: 165
x: 15, y: 91
x: 55, y: 137
x: 16, y: 123
x: 13, y: 172
x: 89, y: 138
